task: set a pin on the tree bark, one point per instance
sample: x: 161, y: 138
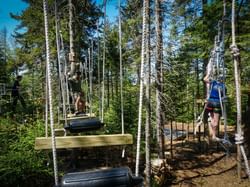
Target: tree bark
x: 159, y: 78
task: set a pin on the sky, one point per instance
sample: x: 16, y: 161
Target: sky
x: 7, y: 6
x: 17, y: 6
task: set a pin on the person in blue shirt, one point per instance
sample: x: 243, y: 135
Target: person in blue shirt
x: 213, y: 105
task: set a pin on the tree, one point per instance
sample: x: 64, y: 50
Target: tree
x: 159, y: 78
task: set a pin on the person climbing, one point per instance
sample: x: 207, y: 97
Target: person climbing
x: 15, y: 93
x: 213, y: 105
x: 75, y: 85
x: 80, y: 104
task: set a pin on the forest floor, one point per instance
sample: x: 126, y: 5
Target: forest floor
x: 204, y: 163
x: 193, y: 163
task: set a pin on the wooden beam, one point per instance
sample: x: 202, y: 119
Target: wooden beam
x: 84, y: 141
x: 73, y: 117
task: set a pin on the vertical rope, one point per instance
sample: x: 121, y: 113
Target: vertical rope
x: 121, y: 65
x: 90, y: 80
x: 222, y: 48
x: 103, y: 60
x: 71, y: 44
x: 91, y: 73
x: 98, y: 70
x: 46, y: 103
x: 239, y: 135
x: 86, y: 79
x: 53, y: 142
x: 141, y: 89
x: 121, y: 73
x: 148, y: 100
x: 59, y: 62
x: 238, y: 99
x: 65, y: 65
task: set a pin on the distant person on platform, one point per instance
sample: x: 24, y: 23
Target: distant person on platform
x: 78, y: 95
x: 16, y: 94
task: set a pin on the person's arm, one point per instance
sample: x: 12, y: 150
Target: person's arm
x: 206, y: 79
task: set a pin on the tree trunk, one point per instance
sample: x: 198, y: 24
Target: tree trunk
x: 159, y: 78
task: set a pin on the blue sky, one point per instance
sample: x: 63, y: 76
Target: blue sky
x: 17, y: 6
x: 7, y: 6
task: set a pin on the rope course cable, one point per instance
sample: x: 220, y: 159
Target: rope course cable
x: 45, y: 8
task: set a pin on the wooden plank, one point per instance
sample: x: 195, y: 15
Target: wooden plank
x: 60, y: 132
x: 84, y: 141
x: 69, y: 118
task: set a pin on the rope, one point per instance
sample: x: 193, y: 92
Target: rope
x: 121, y: 74
x: 238, y: 136
x: 46, y: 105
x: 148, y: 101
x: 98, y: 71
x: 65, y: 72
x: 245, y: 160
x: 53, y: 142
x: 103, y: 62
x: 90, y: 77
x: 86, y: 79
x: 141, y: 90
x: 59, y: 62
x: 239, y: 139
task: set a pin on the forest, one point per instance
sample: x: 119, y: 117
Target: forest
x: 83, y: 91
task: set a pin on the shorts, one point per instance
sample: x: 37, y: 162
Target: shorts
x: 213, y: 107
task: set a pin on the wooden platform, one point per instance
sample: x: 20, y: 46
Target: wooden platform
x: 84, y: 141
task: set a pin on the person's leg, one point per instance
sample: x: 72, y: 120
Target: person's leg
x: 214, y: 124
x: 77, y: 100
x: 15, y: 98
x: 22, y: 102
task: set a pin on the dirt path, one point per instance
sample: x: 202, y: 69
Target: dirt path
x: 199, y: 164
